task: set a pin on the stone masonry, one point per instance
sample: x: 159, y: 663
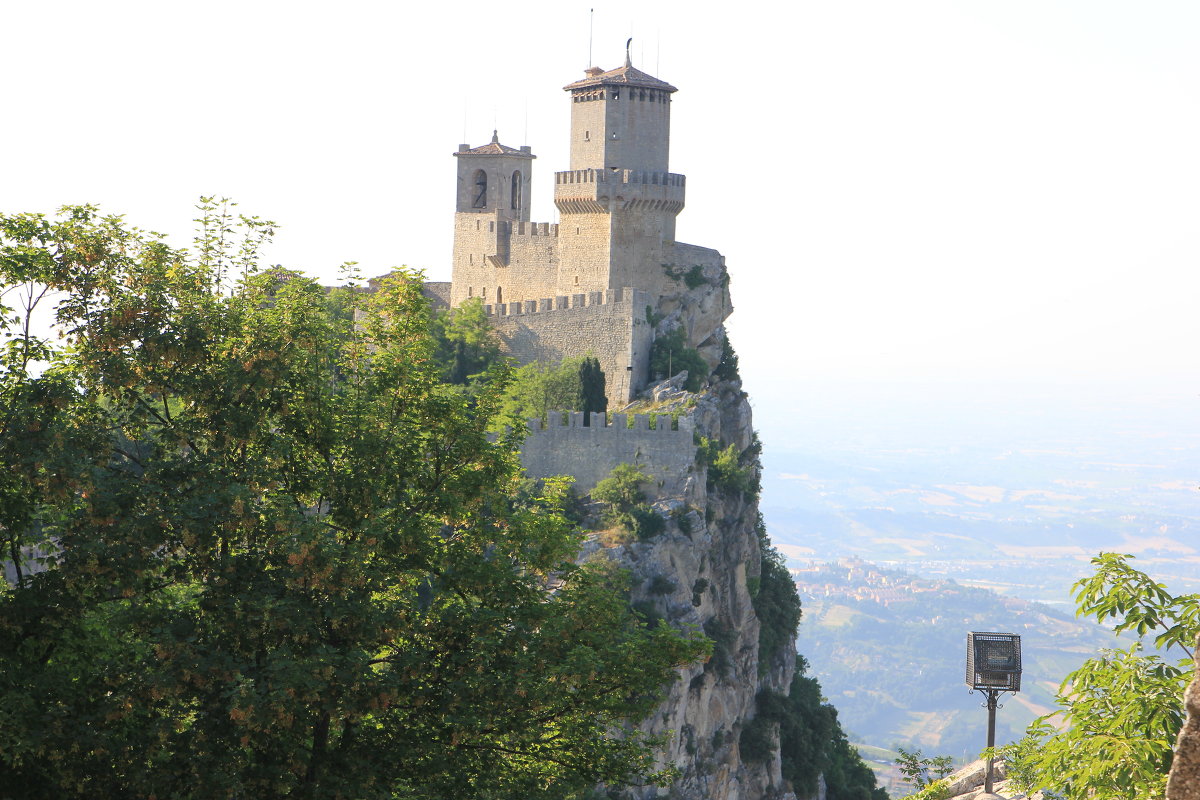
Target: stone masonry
x: 565, y: 446
x: 615, y: 238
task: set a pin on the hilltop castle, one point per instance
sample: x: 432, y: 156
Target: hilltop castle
x: 610, y: 274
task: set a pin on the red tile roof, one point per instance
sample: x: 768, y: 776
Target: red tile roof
x: 627, y: 75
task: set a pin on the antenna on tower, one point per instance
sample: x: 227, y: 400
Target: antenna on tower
x: 658, y: 52
x: 591, y: 25
x: 628, y: 60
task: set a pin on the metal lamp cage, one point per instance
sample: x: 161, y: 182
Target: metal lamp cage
x: 994, y: 661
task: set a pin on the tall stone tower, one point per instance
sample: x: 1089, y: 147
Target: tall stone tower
x: 618, y: 202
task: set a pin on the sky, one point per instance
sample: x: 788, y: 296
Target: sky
x: 944, y: 197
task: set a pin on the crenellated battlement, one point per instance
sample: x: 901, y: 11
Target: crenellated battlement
x: 591, y: 191
x: 530, y: 229
x: 666, y: 452
x: 619, y: 176
x: 612, y: 297
x: 620, y: 424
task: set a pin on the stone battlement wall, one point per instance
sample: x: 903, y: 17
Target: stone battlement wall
x: 610, y: 325
x: 567, y: 302
x: 620, y: 176
x: 565, y: 446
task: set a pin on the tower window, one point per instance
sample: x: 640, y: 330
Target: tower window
x: 587, y: 136
x: 470, y: 291
x: 480, y: 189
x: 499, y: 294
x: 516, y: 190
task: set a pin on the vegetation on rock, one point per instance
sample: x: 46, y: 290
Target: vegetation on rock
x: 625, y: 502
x: 670, y: 355
x: 262, y: 550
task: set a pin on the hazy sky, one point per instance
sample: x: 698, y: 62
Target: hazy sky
x: 944, y: 190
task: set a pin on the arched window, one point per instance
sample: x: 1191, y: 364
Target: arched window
x: 499, y: 294
x: 480, y: 189
x: 516, y: 190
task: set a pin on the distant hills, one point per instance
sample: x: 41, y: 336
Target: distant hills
x: 889, y: 650
x: 997, y: 505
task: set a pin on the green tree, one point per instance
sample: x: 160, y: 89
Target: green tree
x: 465, y: 345
x: 591, y: 388
x: 921, y: 771
x: 282, y: 558
x: 626, y: 503
x: 536, y: 389
x: 812, y: 743
x: 1123, y: 710
x: 670, y: 355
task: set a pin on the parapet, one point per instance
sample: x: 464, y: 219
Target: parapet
x: 666, y: 453
x: 620, y: 176
x: 569, y: 302
x: 590, y: 191
x: 664, y: 425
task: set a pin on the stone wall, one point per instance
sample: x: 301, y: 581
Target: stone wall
x: 611, y: 326
x: 565, y: 446
x: 502, y: 261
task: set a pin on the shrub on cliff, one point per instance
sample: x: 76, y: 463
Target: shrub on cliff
x: 284, y: 558
x: 625, y: 502
x: 670, y: 355
x: 811, y: 742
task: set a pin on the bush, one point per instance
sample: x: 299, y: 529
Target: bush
x: 727, y: 367
x: 670, y: 355
x: 776, y: 602
x: 756, y: 742
x: 626, y: 504
x: 661, y: 584
x: 725, y: 470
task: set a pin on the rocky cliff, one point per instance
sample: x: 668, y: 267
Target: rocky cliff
x: 701, y: 571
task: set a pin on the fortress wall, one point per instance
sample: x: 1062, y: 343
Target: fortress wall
x: 611, y: 326
x: 590, y: 453
x: 533, y: 248
x: 487, y: 257
x: 583, y: 252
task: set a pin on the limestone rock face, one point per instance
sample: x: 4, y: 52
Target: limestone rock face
x: 696, y: 573
x: 1184, y: 782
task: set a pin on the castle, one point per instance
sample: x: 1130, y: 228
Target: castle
x: 609, y: 275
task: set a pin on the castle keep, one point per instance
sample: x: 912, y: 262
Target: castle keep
x: 600, y: 280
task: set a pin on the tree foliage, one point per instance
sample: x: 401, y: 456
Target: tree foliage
x: 1123, y: 710
x: 811, y: 742
x: 670, y: 355
x: 776, y: 602
x: 261, y: 550
x: 465, y: 345
x: 591, y: 387
x: 626, y: 506
x: 536, y: 389
x: 921, y: 771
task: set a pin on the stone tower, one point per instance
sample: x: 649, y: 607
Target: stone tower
x: 618, y: 202
x: 492, y: 199
x: 610, y: 272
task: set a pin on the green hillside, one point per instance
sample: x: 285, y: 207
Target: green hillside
x: 889, y: 650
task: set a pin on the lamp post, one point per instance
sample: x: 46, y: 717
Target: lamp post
x: 993, y: 667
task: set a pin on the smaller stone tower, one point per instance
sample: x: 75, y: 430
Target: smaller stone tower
x: 493, y: 197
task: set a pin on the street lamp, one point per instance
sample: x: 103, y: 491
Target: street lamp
x: 993, y: 667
